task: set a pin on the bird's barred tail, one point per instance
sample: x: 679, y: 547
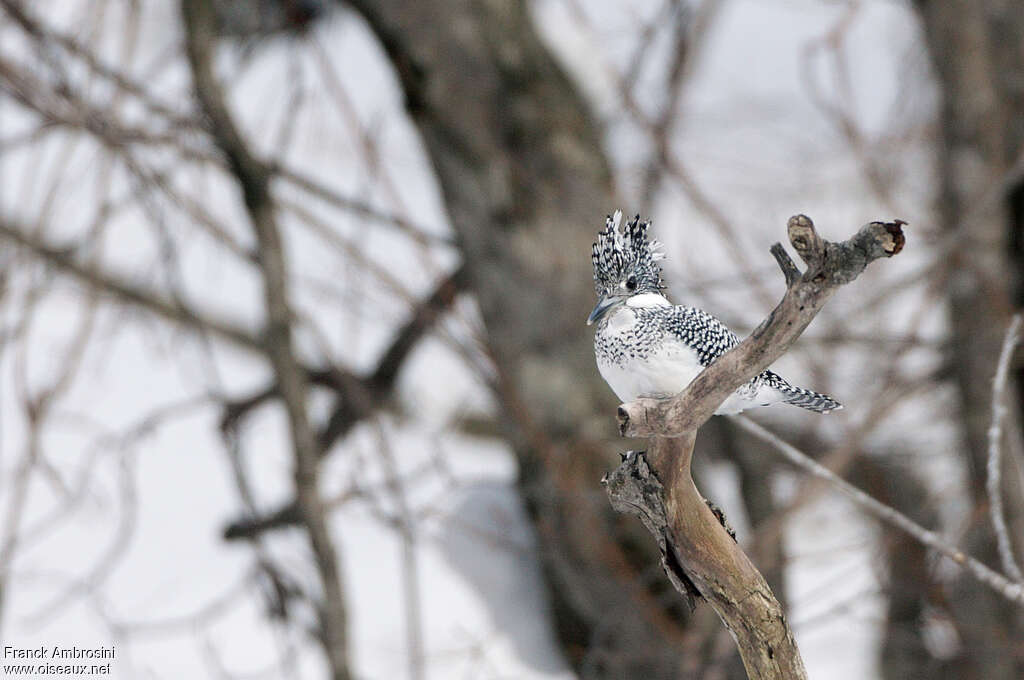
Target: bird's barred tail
x: 812, y: 401
x: 798, y: 396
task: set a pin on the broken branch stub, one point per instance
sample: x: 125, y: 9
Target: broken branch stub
x: 806, y: 241
x: 634, y: 489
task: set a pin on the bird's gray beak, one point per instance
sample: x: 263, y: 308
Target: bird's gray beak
x: 603, y: 305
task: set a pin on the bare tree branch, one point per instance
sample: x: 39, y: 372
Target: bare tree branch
x: 405, y: 524
x: 254, y: 178
x: 381, y: 382
x: 995, y: 436
x: 357, y: 397
x: 698, y: 550
x: 999, y: 583
x: 126, y: 292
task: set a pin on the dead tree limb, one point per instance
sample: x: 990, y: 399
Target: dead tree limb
x: 658, y: 486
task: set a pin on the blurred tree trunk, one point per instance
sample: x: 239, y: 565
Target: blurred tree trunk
x: 977, y: 48
x: 526, y: 184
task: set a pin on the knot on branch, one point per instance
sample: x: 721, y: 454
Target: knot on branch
x: 638, y: 414
x: 806, y: 241
x: 635, y: 489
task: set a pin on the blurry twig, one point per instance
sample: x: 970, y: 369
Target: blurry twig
x: 356, y: 397
x: 38, y: 407
x: 417, y: 232
x: 689, y: 29
x: 253, y: 178
x: 840, y: 113
x: 995, y: 435
x: 124, y: 291
x: 62, y: 105
x: 406, y: 525
x: 1011, y: 591
x: 665, y: 160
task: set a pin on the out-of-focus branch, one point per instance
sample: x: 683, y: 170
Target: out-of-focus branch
x: 125, y: 292
x: 994, y: 466
x: 357, y: 397
x: 38, y: 407
x: 417, y: 232
x: 360, y: 396
x: 380, y: 383
x: 663, y: 161
x: 998, y: 582
x: 690, y: 28
x: 30, y: 24
x: 698, y: 550
x: 253, y: 177
x: 405, y: 523
x: 235, y: 410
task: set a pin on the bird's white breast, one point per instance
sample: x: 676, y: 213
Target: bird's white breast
x: 662, y: 374
x: 666, y: 369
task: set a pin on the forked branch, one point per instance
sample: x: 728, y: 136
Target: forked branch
x: 829, y: 265
x: 698, y: 552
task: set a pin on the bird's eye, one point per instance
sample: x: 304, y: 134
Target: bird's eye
x: 631, y: 283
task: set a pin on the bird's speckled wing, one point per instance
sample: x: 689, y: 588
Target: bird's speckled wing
x: 709, y: 337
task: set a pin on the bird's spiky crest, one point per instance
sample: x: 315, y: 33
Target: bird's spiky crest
x: 619, y: 255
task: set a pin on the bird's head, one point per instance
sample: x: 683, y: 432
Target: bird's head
x: 625, y: 264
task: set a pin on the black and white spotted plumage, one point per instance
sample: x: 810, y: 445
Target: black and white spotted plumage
x: 647, y: 347
x: 618, y: 255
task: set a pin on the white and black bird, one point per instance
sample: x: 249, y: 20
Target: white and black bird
x: 648, y: 347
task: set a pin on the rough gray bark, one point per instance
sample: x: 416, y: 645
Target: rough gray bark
x: 524, y: 177
x: 699, y: 553
x: 701, y: 558
x: 755, y: 467
x: 977, y: 49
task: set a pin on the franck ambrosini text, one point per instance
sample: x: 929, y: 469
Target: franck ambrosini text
x: 44, y: 660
